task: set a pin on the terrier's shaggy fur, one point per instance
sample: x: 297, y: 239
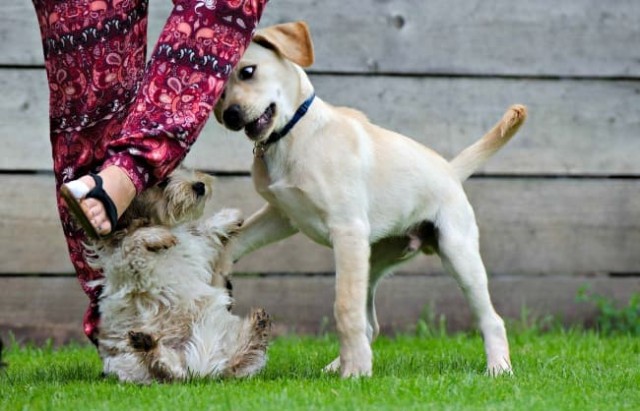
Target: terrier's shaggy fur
x: 165, y: 303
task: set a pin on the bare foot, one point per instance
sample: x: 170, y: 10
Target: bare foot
x: 121, y: 190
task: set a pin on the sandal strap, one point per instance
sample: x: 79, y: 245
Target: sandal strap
x: 99, y: 194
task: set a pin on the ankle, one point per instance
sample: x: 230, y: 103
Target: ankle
x: 116, y: 177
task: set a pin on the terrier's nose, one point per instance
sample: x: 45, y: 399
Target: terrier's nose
x: 232, y: 117
x: 198, y: 188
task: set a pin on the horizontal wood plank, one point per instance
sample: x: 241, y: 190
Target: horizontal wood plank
x: 575, y: 127
x: 550, y: 38
x: 52, y: 308
x: 533, y: 226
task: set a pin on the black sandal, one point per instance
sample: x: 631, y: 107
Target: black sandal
x: 77, y: 212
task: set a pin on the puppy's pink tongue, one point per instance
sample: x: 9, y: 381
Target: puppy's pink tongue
x: 254, y: 128
x: 263, y: 120
x: 266, y: 116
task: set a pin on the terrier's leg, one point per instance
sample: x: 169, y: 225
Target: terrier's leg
x: 164, y: 364
x: 251, y: 355
x: 224, y: 224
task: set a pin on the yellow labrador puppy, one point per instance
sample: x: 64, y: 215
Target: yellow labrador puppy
x: 376, y: 197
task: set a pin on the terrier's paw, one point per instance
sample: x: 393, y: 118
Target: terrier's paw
x: 250, y: 356
x: 141, y: 341
x: 159, y: 240
x: 261, y: 322
x: 228, y: 220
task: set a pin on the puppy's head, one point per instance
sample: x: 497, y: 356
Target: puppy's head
x: 178, y: 199
x: 264, y: 90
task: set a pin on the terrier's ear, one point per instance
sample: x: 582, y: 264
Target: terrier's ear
x: 291, y: 40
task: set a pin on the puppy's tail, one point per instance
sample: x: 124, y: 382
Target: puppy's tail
x: 472, y: 157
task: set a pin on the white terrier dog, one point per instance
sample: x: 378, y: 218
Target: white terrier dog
x: 165, y: 303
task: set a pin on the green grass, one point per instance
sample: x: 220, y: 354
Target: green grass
x: 572, y: 370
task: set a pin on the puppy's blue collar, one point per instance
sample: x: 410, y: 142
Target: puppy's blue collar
x: 261, y: 148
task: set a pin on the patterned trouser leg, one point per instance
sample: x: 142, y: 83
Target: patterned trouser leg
x: 106, y: 109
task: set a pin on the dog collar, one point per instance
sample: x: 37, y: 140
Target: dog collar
x: 261, y: 148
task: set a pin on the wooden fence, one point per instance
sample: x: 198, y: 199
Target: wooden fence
x: 558, y: 207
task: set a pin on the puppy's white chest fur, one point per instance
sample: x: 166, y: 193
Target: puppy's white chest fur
x: 289, y: 196
x: 303, y: 212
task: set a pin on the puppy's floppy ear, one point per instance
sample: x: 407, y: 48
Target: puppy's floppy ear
x: 291, y: 40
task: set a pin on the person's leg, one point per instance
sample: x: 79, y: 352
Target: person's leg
x: 94, y: 57
x: 199, y: 46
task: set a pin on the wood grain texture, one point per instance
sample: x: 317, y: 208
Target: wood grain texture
x: 574, y: 127
x: 533, y: 226
x: 546, y: 37
x: 52, y: 308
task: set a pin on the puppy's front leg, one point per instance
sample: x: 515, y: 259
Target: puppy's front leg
x: 351, y: 249
x: 266, y: 226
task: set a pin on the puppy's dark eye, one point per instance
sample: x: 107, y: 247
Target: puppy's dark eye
x: 246, y: 72
x: 164, y: 183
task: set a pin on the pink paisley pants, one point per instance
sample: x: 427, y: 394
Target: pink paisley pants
x: 107, y: 108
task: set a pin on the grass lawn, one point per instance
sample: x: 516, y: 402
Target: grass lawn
x: 572, y: 370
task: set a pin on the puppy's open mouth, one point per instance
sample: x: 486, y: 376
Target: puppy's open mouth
x: 256, y: 128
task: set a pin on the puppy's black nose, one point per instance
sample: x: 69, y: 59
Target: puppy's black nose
x: 198, y: 188
x: 232, y: 117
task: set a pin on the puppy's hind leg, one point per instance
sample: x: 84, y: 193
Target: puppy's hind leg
x: 459, y: 249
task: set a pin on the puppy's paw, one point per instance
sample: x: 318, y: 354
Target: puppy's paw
x: 356, y: 361
x: 141, y: 341
x: 351, y: 370
x: 499, y: 371
x: 499, y: 366
x: 333, y: 366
